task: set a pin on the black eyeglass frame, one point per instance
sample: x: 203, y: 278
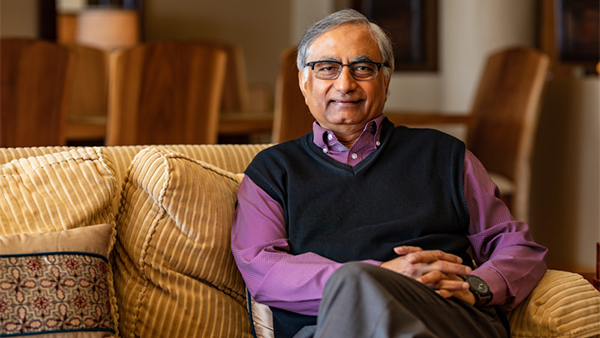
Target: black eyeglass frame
x: 377, y: 64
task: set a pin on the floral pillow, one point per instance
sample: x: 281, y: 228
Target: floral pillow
x: 56, y: 282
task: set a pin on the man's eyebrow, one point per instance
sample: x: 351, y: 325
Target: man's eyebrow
x: 362, y: 58
x: 328, y: 59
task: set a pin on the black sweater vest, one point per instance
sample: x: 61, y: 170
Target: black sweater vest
x: 407, y: 192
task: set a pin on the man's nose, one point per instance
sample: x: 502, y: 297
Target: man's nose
x: 345, y: 82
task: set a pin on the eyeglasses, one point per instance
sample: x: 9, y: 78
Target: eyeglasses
x: 331, y: 70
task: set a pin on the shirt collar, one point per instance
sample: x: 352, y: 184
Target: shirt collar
x: 325, y: 139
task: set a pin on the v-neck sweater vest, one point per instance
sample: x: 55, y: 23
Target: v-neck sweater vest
x: 407, y: 192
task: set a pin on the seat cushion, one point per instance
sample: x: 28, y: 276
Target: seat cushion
x: 563, y: 305
x: 173, y: 250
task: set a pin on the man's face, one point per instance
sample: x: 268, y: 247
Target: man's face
x: 344, y: 105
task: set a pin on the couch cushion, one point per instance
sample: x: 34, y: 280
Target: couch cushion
x: 53, y: 193
x: 563, y: 305
x: 57, y: 191
x: 175, y: 272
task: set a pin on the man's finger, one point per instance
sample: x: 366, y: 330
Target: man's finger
x: 430, y: 256
x: 403, y: 250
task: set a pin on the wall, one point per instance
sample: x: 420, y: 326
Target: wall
x: 565, y: 200
x: 468, y: 31
x: 262, y: 28
x: 18, y: 18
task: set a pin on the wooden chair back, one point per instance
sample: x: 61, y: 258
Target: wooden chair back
x: 235, y: 96
x: 35, y: 77
x: 246, y: 111
x: 292, y: 117
x: 88, y: 102
x: 506, y: 114
x: 235, y: 87
x: 89, y: 92
x: 165, y: 93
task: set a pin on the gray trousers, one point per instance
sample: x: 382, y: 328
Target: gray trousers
x: 364, y: 301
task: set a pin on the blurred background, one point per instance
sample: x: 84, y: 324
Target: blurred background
x: 565, y: 187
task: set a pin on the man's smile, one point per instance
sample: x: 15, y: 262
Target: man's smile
x: 346, y: 101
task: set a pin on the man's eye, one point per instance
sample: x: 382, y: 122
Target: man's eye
x: 327, y: 67
x: 364, y: 68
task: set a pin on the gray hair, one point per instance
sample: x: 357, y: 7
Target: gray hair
x: 346, y: 16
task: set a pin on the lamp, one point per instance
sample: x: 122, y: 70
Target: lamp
x: 108, y: 28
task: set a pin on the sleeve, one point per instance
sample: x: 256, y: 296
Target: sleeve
x: 261, y: 250
x: 508, y: 259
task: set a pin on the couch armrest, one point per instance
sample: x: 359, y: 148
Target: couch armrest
x: 563, y: 304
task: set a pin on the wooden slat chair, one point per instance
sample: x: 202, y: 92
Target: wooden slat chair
x: 35, y: 77
x: 236, y: 117
x: 88, y: 101
x: 292, y: 117
x: 165, y: 93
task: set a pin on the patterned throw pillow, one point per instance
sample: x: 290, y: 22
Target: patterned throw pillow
x: 175, y: 275
x: 48, y: 195
x: 56, y: 282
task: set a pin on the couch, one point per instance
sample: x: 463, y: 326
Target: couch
x: 134, y: 241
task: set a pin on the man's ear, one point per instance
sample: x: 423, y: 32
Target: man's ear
x: 387, y: 87
x: 302, y: 84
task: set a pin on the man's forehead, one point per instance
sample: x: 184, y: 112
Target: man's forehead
x: 348, y: 42
x: 358, y: 58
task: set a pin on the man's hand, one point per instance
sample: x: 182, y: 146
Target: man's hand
x: 434, y: 268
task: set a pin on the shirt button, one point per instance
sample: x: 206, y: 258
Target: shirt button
x: 325, y: 150
x: 354, y: 156
x: 329, y: 137
x: 378, y: 143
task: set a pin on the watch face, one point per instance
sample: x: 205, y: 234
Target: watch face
x: 479, y: 285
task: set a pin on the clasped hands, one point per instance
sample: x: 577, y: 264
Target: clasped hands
x: 434, y: 268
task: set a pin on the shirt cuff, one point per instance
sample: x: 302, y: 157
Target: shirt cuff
x: 495, y: 282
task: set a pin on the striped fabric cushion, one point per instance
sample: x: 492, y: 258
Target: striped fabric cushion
x: 173, y: 250
x: 58, y: 192
x: 563, y: 305
x: 230, y: 157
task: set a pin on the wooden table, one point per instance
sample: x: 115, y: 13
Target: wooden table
x: 81, y: 128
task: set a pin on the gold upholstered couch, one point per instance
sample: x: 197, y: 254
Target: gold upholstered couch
x: 135, y: 242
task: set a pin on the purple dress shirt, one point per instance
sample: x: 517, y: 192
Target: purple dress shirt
x: 508, y: 259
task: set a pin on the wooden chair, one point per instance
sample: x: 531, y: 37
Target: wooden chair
x: 88, y: 101
x: 292, y: 117
x: 503, y: 120
x: 35, y: 77
x: 236, y: 117
x: 165, y: 93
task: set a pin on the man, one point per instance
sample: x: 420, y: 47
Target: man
x: 362, y: 229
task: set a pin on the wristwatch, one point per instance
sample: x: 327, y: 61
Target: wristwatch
x: 479, y: 289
